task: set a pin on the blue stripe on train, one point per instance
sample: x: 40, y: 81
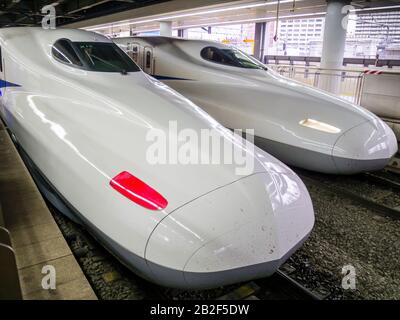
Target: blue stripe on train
x: 4, y: 84
x: 169, y: 78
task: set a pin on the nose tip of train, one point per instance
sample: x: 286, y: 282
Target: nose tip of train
x: 233, y: 234
x: 366, y: 147
x: 239, y: 256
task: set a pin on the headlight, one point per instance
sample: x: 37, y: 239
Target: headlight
x: 318, y: 125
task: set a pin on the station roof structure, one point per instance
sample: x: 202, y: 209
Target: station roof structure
x: 145, y: 15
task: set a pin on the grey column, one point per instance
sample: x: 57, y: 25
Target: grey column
x: 333, y: 44
x: 259, y: 40
x: 166, y: 28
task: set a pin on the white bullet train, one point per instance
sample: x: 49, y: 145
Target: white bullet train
x: 300, y: 125
x: 80, y: 111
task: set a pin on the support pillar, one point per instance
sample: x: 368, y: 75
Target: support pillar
x: 166, y: 28
x: 333, y: 44
x: 259, y: 40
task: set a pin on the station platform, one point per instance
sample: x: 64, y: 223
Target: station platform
x: 35, y: 237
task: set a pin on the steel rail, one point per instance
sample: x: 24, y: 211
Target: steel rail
x: 379, y: 208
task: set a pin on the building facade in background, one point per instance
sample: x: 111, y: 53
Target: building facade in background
x: 368, y: 35
x: 381, y: 30
x: 296, y: 37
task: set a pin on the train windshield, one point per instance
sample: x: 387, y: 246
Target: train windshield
x: 230, y: 57
x: 94, y: 56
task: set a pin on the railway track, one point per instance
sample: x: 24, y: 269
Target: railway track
x: 394, y: 165
x: 383, y: 180
x: 341, y: 187
x: 298, y: 288
x: 280, y: 286
x: 284, y: 286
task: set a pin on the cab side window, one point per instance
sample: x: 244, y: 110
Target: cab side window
x: 212, y: 54
x: 93, y: 56
x: 230, y: 57
x: 63, y: 51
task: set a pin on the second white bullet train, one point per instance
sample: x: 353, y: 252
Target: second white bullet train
x: 298, y: 124
x: 80, y: 111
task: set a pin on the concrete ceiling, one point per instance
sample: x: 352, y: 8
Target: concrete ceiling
x: 157, y: 10
x: 28, y: 12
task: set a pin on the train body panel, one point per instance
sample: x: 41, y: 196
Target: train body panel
x: 81, y: 129
x: 286, y: 115
x: 224, y: 250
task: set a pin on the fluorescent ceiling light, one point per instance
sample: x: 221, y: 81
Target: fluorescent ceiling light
x: 253, y: 20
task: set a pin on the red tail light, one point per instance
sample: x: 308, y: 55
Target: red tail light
x: 138, y: 191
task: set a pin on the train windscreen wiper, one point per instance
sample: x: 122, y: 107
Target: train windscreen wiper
x: 117, y: 68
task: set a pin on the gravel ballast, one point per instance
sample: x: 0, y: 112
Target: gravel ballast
x: 347, y: 233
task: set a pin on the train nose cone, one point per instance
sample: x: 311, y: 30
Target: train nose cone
x: 366, y: 147
x: 242, y: 231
